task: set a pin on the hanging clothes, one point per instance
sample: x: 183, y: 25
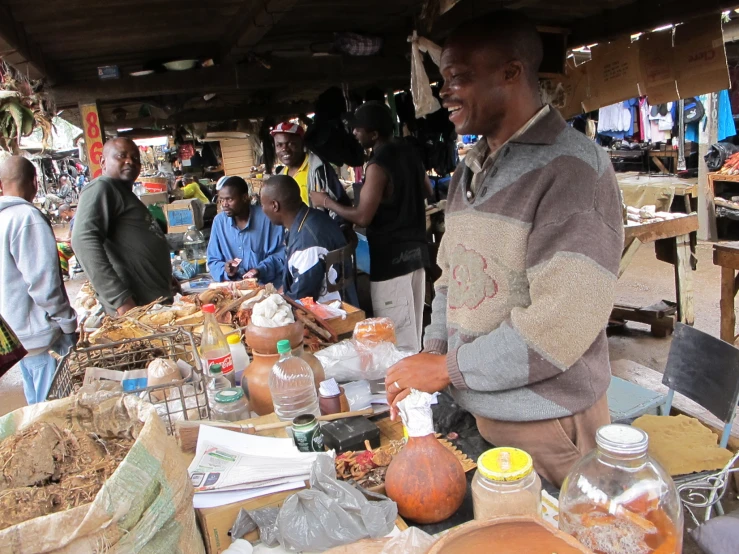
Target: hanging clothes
x: 726, y: 126
x: 614, y: 121
x: 725, y: 120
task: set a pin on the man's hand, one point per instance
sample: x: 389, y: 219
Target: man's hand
x: 176, y: 286
x: 127, y: 305
x: 318, y: 199
x: 232, y: 267
x: 251, y: 274
x: 424, y: 372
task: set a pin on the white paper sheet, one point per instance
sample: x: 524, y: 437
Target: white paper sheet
x: 219, y: 498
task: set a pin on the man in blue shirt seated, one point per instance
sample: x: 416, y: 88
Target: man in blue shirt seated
x: 310, y: 235
x: 243, y: 243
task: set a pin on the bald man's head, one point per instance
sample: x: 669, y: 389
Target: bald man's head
x: 280, y: 198
x: 18, y: 178
x: 121, y: 160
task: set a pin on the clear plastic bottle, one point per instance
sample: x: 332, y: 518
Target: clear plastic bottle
x: 618, y: 500
x: 216, y: 383
x: 213, y: 345
x: 239, y: 356
x: 291, y: 385
x: 195, y: 249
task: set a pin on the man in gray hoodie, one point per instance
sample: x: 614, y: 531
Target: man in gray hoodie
x: 33, y: 299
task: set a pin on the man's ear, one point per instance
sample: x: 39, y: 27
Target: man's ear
x: 513, y: 70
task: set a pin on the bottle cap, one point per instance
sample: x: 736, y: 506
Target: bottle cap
x: 622, y: 439
x: 233, y: 338
x: 505, y: 464
x: 283, y: 346
x: 208, y: 308
x: 216, y: 368
x: 228, y: 396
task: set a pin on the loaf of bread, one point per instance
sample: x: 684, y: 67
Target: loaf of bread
x: 374, y: 330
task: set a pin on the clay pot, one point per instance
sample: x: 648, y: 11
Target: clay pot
x: 512, y: 535
x: 426, y: 481
x: 255, y: 380
x: 264, y: 339
x: 313, y: 362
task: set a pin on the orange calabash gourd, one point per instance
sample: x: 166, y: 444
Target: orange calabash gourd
x: 425, y: 480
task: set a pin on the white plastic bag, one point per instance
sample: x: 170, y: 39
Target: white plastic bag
x: 424, y: 100
x: 350, y: 360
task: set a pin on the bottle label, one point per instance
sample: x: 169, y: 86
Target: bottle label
x: 227, y: 363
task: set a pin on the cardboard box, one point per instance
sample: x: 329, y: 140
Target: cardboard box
x: 181, y: 214
x: 346, y: 326
x: 215, y: 523
x: 154, y: 198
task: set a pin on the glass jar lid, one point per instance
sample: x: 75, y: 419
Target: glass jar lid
x: 228, y: 396
x: 505, y: 464
x: 622, y: 439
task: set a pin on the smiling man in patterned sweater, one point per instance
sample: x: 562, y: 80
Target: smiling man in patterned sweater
x: 529, y: 259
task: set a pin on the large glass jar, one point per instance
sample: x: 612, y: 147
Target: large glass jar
x: 230, y: 405
x: 618, y: 500
x: 505, y: 484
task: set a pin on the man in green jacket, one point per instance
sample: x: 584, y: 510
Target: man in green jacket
x: 119, y: 245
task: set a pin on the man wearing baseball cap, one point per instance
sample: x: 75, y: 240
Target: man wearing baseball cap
x: 391, y: 207
x: 309, y: 171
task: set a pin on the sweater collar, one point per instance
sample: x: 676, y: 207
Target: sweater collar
x: 544, y: 131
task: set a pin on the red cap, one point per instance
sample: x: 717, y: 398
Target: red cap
x: 287, y: 127
x: 209, y: 308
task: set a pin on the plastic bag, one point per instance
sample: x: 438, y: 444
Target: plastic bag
x: 424, y: 100
x: 350, y: 360
x: 410, y: 541
x: 374, y: 330
x: 332, y: 513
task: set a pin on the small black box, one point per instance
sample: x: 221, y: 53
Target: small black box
x: 347, y: 434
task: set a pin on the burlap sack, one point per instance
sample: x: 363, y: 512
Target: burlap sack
x: 146, y: 505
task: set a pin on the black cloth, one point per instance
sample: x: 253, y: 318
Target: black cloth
x: 397, y: 233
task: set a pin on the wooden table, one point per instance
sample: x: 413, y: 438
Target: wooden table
x: 727, y: 256
x: 655, y: 155
x: 674, y: 243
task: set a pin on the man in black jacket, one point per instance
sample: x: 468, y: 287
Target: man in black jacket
x: 309, y: 235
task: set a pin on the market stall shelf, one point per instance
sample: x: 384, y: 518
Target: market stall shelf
x: 727, y: 257
x: 674, y: 243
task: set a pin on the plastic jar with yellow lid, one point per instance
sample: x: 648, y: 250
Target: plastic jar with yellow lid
x: 505, y: 484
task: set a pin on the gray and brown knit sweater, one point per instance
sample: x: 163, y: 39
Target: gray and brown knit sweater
x: 529, y: 270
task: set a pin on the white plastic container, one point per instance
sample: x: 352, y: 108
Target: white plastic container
x: 291, y: 385
x: 238, y: 355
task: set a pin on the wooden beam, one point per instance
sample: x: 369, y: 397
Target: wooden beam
x: 234, y: 79
x: 253, y: 21
x: 246, y: 111
x: 640, y: 16
x: 18, y: 51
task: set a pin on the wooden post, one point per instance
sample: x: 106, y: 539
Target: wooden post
x: 706, y: 208
x: 94, y: 137
x: 684, y: 280
x: 728, y: 316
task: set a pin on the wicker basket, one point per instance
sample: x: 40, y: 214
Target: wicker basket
x: 185, y: 399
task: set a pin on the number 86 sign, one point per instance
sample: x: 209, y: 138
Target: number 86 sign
x: 93, y: 137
